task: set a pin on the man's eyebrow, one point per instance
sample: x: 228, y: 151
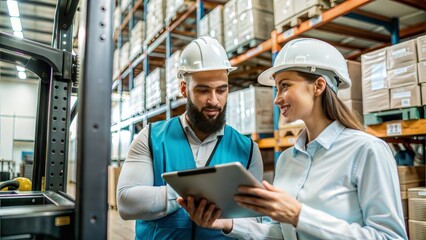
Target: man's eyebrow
x: 206, y: 86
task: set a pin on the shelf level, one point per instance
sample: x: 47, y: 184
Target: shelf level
x: 398, y: 128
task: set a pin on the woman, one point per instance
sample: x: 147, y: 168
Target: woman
x: 336, y: 182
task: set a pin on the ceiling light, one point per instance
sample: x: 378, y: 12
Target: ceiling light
x: 22, y: 75
x: 19, y: 68
x: 18, y: 34
x: 16, y: 24
x: 13, y: 8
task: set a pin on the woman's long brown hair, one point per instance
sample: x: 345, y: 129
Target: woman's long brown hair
x: 333, y: 107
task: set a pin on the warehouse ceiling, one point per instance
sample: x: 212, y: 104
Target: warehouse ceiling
x: 37, y: 19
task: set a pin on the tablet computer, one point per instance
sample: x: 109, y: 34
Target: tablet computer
x: 218, y: 184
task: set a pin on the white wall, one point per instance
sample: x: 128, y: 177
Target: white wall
x: 18, y: 111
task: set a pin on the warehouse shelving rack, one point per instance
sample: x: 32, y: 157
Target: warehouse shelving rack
x: 174, y: 36
x: 267, y: 50
x: 48, y: 212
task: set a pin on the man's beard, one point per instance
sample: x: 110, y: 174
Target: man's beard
x: 202, y: 123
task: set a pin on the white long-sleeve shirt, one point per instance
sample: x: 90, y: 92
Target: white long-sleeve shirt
x: 137, y: 198
x: 347, y: 183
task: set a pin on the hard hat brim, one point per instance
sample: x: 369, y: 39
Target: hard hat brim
x: 267, y: 77
x: 182, y: 72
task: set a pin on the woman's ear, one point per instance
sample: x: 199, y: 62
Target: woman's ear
x: 320, y: 85
x: 183, y: 88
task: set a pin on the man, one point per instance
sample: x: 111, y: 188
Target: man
x: 197, y: 138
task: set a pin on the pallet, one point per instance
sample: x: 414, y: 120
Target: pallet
x: 182, y: 8
x: 152, y: 38
x: 413, y: 113
x: 300, y: 17
x: 244, y: 47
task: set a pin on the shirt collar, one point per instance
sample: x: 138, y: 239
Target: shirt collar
x: 326, y: 138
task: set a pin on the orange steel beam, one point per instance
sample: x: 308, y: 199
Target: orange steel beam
x: 356, y: 32
x: 326, y: 17
x: 127, y: 18
x: 408, y: 128
x: 421, y: 4
x: 354, y: 56
x: 184, y: 16
x: 372, y: 15
x: 413, y: 30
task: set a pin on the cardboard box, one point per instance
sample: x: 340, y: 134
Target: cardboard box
x: 256, y: 110
x: 423, y: 87
x: 354, y: 92
x: 301, y: 5
x: 230, y: 11
x: 405, y: 52
x: 417, y: 229
x: 421, y: 71
x: 409, y: 174
x: 402, y: 75
x: 421, y: 48
x: 404, y: 199
x: 417, y: 203
x: 264, y: 5
x: 375, y: 101
x: 231, y: 35
x: 113, y: 174
x: 375, y: 95
x: 283, y: 10
x: 408, y: 96
x: 354, y: 105
x: 255, y: 24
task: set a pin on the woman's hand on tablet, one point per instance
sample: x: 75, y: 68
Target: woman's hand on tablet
x: 271, y: 201
x: 205, y: 215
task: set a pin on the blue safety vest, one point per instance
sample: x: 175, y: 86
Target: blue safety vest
x: 171, y: 151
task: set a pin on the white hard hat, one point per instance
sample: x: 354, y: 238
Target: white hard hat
x: 203, y: 54
x: 311, y: 56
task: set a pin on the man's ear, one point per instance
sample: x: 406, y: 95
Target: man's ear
x: 320, y: 85
x: 183, y: 88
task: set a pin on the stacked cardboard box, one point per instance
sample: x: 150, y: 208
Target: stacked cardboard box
x: 394, y: 77
x: 233, y: 110
x: 421, y: 67
x: 124, y: 55
x: 352, y: 97
x: 375, y: 92
x: 113, y: 174
x: 283, y: 10
x: 116, y: 63
x: 402, y: 75
x: 287, y: 11
x: 173, y: 7
x: 137, y: 37
x: 137, y: 94
x: 216, y: 23
x: 203, y: 29
x: 417, y: 213
x: 230, y: 25
x: 155, y: 88
x: 256, y: 20
x: 172, y: 82
x: 156, y: 13
x: 256, y: 110
x: 117, y: 19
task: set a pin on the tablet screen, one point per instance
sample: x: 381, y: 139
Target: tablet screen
x: 218, y: 184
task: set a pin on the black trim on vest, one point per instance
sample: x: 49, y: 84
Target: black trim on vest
x: 251, y: 154
x: 150, y: 144
x: 184, y: 133
x: 219, y: 138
